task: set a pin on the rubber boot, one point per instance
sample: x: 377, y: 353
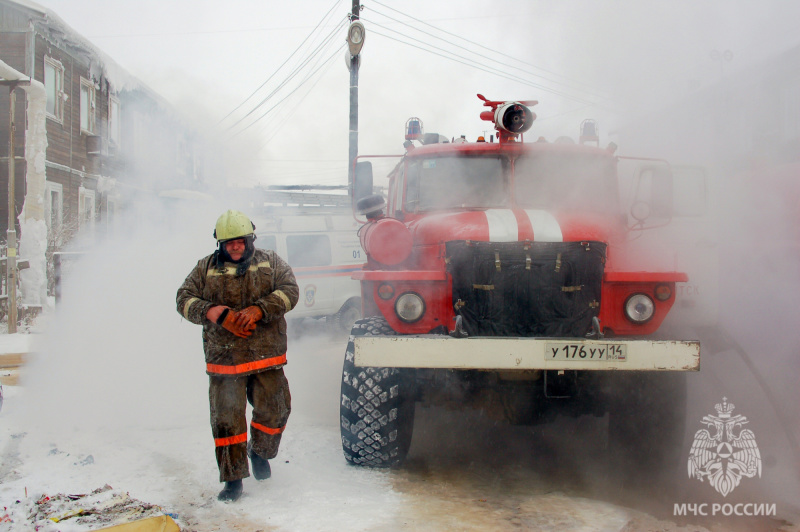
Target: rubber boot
x: 231, y: 492
x: 261, y: 469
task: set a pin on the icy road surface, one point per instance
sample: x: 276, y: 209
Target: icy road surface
x: 145, y: 431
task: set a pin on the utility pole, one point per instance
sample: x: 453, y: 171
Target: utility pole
x: 11, y: 233
x: 355, y: 40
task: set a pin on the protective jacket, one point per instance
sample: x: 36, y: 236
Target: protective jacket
x: 268, y: 283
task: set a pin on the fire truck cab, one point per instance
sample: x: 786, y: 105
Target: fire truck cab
x: 499, y: 276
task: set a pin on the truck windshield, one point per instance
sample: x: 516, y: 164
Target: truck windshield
x: 457, y: 182
x: 565, y: 181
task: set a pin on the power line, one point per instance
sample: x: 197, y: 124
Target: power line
x: 204, y: 32
x: 291, y: 76
x: 299, y: 85
x: 289, y: 115
x: 336, y: 3
x: 250, y: 30
x: 296, y: 70
x: 473, y: 64
x: 476, y: 43
x: 482, y: 55
x: 280, y: 67
x: 285, y: 97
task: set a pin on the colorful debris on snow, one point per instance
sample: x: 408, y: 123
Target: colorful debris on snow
x: 102, y: 509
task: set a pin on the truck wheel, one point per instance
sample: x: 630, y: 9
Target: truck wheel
x: 646, y: 425
x: 377, y: 406
x: 348, y: 315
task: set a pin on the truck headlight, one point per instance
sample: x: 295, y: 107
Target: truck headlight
x: 639, y: 308
x: 409, y: 307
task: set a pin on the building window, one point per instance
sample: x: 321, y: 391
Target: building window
x: 87, y: 106
x: 54, y: 214
x: 54, y: 86
x: 54, y: 206
x: 113, y: 121
x: 86, y: 210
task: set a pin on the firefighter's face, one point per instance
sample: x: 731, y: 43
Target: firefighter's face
x: 235, y: 248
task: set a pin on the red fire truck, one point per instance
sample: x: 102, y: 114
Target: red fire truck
x: 497, y: 277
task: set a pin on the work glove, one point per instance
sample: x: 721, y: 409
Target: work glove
x: 248, y: 317
x: 228, y: 321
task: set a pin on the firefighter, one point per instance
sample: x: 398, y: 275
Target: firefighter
x: 239, y: 294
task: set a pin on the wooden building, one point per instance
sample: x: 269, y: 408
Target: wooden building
x: 110, y: 139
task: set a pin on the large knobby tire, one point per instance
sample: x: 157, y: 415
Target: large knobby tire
x: 647, y: 423
x: 377, y: 406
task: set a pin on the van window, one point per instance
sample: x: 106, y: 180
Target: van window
x: 266, y: 242
x: 308, y: 250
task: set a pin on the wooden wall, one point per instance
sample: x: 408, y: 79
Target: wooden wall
x: 156, y: 149
x: 12, y: 53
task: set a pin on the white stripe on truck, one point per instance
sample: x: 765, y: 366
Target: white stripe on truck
x: 502, y: 225
x: 545, y: 226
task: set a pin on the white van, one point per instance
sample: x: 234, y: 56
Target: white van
x: 323, y: 250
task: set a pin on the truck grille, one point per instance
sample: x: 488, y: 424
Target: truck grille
x: 526, y: 288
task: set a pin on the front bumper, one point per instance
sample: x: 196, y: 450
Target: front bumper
x: 493, y: 353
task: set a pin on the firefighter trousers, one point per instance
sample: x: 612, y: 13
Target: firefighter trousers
x: 268, y: 393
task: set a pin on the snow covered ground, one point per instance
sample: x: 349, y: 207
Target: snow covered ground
x: 140, y: 426
x: 56, y: 439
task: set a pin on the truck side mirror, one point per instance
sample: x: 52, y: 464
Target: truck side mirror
x: 362, y: 184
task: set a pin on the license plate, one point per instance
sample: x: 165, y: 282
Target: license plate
x: 568, y: 351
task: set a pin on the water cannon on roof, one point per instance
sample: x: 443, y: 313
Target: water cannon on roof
x: 511, y: 119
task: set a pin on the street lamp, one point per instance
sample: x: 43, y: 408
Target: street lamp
x: 355, y: 40
x: 355, y: 37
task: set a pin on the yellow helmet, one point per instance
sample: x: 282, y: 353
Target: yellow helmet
x: 232, y: 225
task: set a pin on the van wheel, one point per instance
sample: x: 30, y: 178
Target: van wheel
x: 348, y: 315
x: 377, y: 406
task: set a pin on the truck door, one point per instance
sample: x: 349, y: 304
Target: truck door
x: 692, y: 232
x: 679, y: 220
